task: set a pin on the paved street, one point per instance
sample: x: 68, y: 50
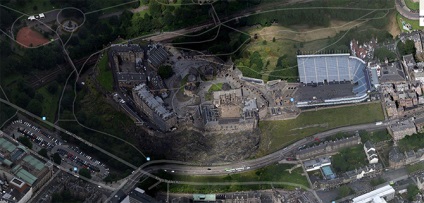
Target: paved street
x: 405, y: 11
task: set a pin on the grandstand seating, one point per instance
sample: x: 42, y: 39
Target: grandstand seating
x: 333, y: 69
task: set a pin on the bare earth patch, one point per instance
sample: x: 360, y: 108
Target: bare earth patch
x: 304, y: 33
x: 393, y: 27
x: 29, y: 37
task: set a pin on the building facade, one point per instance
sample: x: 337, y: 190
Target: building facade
x: 154, y: 108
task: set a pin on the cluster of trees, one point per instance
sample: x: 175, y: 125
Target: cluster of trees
x: 349, y: 159
x: 165, y: 71
x: 163, y: 17
x: 65, y: 196
x: 85, y: 172
x: 25, y: 141
x: 57, y: 159
x: 344, y: 191
x: 43, y: 152
x: 282, y: 62
x: 382, y: 53
x: 412, y: 191
x: 412, y: 142
x: 407, y: 48
x: 341, y: 42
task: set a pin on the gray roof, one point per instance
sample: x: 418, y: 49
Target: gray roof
x: 126, y: 47
x: 128, y: 77
x: 406, y: 124
x: 368, y: 145
x: 395, y: 155
x: 156, y: 55
x: 392, y: 72
x: 155, y: 104
x: 409, y: 60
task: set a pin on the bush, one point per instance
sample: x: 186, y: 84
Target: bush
x: 43, y: 152
x: 165, y: 72
x: 85, y: 172
x: 57, y: 159
x: 25, y: 141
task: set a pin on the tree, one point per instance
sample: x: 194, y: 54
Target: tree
x: 383, y: 53
x: 43, y: 152
x: 35, y: 107
x: 264, y: 42
x: 412, y: 191
x: 85, y: 172
x: 57, y: 159
x: 25, y: 141
x: 53, y: 87
x: 344, y: 191
x: 406, y: 48
x: 165, y: 71
x: 273, y: 39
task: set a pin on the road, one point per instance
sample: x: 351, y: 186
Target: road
x: 405, y: 11
x: 69, y: 133
x: 193, y: 169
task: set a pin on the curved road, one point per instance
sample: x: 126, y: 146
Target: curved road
x: 405, y: 11
x: 198, y: 169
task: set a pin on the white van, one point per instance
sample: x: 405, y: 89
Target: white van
x: 31, y: 18
x: 42, y: 16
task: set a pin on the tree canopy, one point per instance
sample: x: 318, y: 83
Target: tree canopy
x: 85, y: 172
x: 25, y: 141
x: 57, y: 159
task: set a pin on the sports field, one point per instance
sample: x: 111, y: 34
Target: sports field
x: 30, y: 38
x: 277, y: 134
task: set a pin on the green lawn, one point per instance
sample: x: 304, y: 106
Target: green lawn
x: 413, y: 142
x: 277, y: 134
x: 349, y: 159
x: 275, y: 173
x: 215, y: 87
x: 375, y: 136
x: 105, y: 77
x: 412, y: 5
x: 414, y: 23
x: 415, y: 167
x: 50, y: 102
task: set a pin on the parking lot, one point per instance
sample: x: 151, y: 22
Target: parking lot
x: 75, y: 157
x: 71, y: 156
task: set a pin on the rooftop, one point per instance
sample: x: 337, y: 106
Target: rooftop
x: 375, y: 195
x: 403, y: 125
x: 123, y: 77
x: 392, y: 72
x: 152, y: 101
x: 24, y: 174
x: 8, y: 146
x: 126, y: 47
x: 409, y: 60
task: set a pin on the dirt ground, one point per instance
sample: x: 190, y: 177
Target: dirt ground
x: 393, y: 27
x: 29, y: 37
x: 304, y: 33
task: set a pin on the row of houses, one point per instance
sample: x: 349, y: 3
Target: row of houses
x: 328, y: 147
x: 403, y: 128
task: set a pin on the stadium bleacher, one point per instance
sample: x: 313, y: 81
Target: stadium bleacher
x: 333, y: 69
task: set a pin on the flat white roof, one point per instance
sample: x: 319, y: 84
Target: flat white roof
x: 375, y: 195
